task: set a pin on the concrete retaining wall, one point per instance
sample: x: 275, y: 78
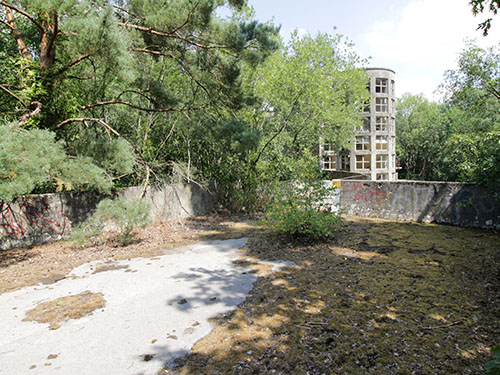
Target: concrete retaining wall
x: 43, y: 218
x: 440, y: 202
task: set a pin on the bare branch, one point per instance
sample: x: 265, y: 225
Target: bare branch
x: 27, y: 116
x: 153, y: 52
x: 193, y: 78
x: 166, y: 34
x: 164, y: 141
x: 83, y: 78
x: 13, y: 95
x: 20, y: 11
x: 187, y: 19
x: 146, y: 29
x: 6, y: 24
x: 146, y: 183
x: 178, y: 61
x: 126, y: 11
x: 112, y: 102
x: 72, y: 63
x: 84, y: 119
x: 134, y: 92
x: 493, y: 91
x: 285, y: 123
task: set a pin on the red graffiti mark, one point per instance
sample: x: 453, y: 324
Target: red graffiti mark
x: 30, y: 213
x: 353, y: 188
x: 365, y: 193
x: 9, y: 221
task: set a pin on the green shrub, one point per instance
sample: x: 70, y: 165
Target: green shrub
x: 299, y: 208
x: 122, y: 215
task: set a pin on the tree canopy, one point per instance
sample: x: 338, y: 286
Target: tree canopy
x: 479, y: 6
x: 144, y: 92
x: 136, y: 92
x: 458, y: 139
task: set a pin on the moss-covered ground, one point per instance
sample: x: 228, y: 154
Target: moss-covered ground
x: 383, y: 297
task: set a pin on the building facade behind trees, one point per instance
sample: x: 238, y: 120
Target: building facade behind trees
x: 373, y: 150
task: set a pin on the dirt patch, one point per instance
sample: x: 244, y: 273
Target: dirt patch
x: 51, y: 262
x: 64, y: 308
x: 109, y: 267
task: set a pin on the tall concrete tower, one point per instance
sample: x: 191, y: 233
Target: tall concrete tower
x: 373, y: 150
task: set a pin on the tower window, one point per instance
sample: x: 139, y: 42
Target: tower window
x: 363, y: 143
x: 345, y: 162
x: 329, y: 162
x: 363, y: 161
x: 366, y: 125
x: 381, y: 86
x: 381, y: 161
x: 381, y: 123
x: 381, y: 104
x: 328, y: 157
x: 381, y: 143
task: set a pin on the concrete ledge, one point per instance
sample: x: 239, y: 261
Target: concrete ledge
x: 460, y: 204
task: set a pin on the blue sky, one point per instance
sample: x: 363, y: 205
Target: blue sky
x: 419, y: 39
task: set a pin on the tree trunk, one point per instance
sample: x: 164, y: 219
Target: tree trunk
x: 21, y: 46
x: 47, y: 45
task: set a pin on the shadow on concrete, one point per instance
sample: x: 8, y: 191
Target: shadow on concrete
x: 213, y: 286
x: 430, y: 208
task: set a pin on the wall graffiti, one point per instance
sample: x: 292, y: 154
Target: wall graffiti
x: 365, y: 194
x: 440, y: 202
x: 29, y: 215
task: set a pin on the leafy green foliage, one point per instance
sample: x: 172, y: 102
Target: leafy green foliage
x: 116, y: 156
x: 476, y: 157
x: 121, y: 214
x: 421, y: 132
x: 478, y: 6
x: 298, y: 208
x: 457, y: 140
x: 313, y: 87
x: 478, y: 68
x: 161, y: 74
x: 493, y: 367
x: 31, y: 158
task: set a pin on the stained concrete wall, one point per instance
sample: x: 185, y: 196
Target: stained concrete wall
x: 177, y: 201
x: 43, y: 218
x: 440, y: 202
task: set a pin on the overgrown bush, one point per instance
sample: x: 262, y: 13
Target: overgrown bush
x: 300, y: 208
x: 121, y: 215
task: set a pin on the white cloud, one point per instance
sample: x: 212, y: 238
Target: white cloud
x: 424, y: 42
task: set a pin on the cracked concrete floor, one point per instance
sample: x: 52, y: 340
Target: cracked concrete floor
x: 148, y: 311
